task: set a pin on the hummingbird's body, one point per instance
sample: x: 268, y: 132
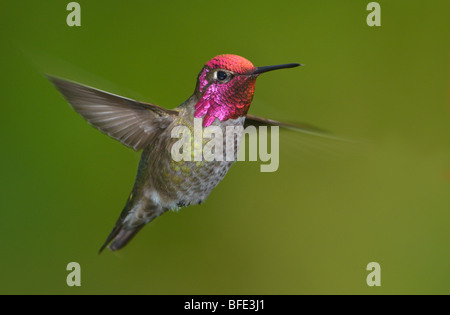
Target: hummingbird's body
x: 163, y: 184
x: 222, y: 96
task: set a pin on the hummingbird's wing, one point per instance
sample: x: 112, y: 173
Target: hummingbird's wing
x: 132, y: 123
x: 256, y: 121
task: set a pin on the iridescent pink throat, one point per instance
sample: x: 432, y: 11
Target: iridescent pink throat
x: 224, y: 100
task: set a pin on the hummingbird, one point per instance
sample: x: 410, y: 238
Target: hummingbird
x: 222, y: 97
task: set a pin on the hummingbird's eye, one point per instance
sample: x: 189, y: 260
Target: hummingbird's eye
x: 221, y: 75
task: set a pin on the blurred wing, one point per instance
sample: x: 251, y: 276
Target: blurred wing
x: 132, y: 123
x: 256, y: 121
x: 251, y: 120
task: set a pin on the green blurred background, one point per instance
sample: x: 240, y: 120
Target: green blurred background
x: 311, y: 227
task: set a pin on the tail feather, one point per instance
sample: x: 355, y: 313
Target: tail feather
x: 126, y: 228
x: 119, y: 237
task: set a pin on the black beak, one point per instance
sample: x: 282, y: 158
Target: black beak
x: 260, y: 70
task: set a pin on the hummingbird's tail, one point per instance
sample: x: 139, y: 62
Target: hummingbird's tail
x: 119, y: 237
x: 133, y: 218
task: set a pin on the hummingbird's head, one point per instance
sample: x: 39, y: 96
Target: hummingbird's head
x: 225, y: 87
